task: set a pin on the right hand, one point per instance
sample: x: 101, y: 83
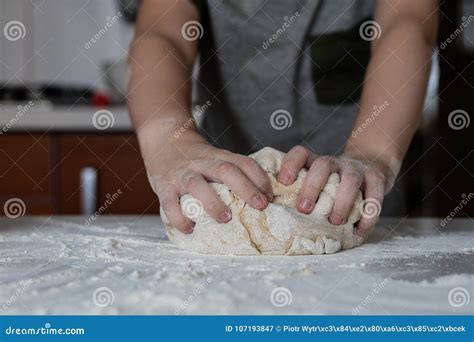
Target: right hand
x: 187, y: 165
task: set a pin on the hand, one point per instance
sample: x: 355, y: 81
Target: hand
x: 187, y: 165
x: 374, y: 179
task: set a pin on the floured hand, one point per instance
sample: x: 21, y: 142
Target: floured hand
x: 278, y: 229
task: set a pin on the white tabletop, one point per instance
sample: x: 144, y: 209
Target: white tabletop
x: 55, y: 265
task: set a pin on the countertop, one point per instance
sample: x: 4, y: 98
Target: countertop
x: 43, y: 117
x: 126, y: 265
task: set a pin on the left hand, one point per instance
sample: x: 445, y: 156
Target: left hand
x: 374, y: 179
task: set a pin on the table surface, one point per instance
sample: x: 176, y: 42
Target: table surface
x: 126, y: 265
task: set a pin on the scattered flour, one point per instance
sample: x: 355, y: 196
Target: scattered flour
x: 58, y: 268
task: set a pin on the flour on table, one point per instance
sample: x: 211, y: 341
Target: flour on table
x: 278, y: 230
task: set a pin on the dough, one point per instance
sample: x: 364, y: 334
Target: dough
x: 279, y: 229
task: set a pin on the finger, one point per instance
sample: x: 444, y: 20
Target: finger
x: 172, y: 208
x: 372, y: 205
x: 200, y: 189
x: 314, y: 182
x: 229, y: 174
x: 292, y: 163
x: 257, y: 175
x: 346, y: 193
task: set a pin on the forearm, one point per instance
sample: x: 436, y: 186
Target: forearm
x: 159, y: 74
x: 159, y: 89
x: 393, y: 95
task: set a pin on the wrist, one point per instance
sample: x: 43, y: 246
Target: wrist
x: 387, y: 164
x: 163, y: 135
x: 168, y: 129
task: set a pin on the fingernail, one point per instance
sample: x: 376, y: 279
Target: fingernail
x: 189, y: 229
x: 284, y: 178
x: 268, y: 194
x: 224, y: 217
x: 305, y: 204
x: 259, y: 202
x: 336, y: 219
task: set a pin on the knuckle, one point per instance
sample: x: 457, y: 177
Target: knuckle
x: 190, y: 180
x: 312, y: 187
x: 376, y: 191
x: 354, y: 175
x: 301, y: 150
x: 291, y: 165
x: 248, y: 163
x: 377, y: 176
x: 323, y: 160
x: 171, y: 182
x: 166, y: 198
x: 322, y: 164
x: 225, y: 167
x: 313, y: 177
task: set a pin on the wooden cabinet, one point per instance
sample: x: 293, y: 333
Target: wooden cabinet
x: 121, y: 174
x: 26, y: 171
x: 44, y: 171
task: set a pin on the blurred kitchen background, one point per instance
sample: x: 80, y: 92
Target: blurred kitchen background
x: 64, y: 61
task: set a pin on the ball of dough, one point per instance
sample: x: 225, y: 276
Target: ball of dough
x: 279, y: 229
